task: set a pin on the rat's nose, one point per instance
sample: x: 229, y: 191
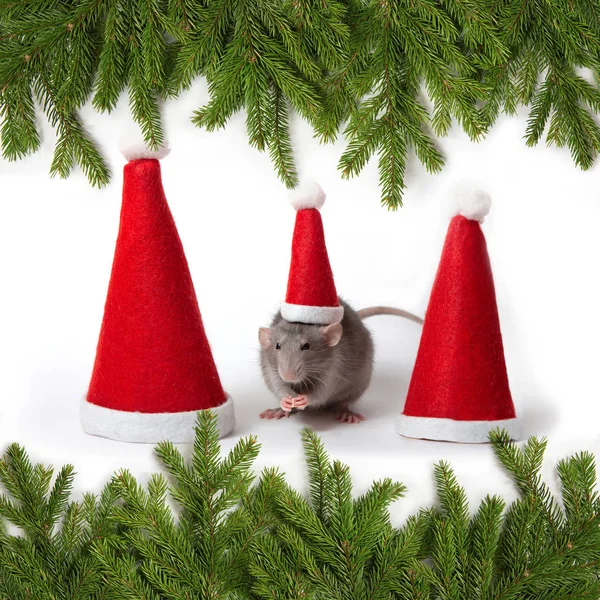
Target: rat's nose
x: 289, y: 376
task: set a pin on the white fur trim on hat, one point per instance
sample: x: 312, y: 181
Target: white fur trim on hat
x: 150, y: 428
x: 314, y: 315
x: 450, y: 430
x: 471, y: 202
x: 133, y: 146
x: 307, y: 195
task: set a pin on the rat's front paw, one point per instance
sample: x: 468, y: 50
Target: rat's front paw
x: 287, y: 403
x: 300, y: 402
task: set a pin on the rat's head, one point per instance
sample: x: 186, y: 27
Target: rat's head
x: 299, y: 351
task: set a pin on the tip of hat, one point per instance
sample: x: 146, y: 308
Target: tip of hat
x: 133, y: 146
x: 470, y: 201
x: 309, y: 194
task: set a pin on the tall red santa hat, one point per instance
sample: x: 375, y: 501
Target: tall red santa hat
x: 459, y: 388
x: 311, y: 295
x: 154, y: 368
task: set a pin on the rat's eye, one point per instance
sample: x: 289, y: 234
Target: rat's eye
x: 305, y: 346
x: 277, y: 346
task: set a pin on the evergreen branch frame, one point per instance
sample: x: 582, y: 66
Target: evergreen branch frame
x: 212, y: 529
x: 359, y: 68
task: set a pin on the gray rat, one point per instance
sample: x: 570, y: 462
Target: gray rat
x: 320, y: 366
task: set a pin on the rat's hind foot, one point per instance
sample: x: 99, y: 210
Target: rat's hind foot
x: 275, y: 413
x: 348, y: 416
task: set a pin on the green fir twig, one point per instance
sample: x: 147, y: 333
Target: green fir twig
x: 393, y: 77
x: 208, y: 529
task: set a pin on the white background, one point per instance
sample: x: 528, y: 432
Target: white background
x: 56, y: 248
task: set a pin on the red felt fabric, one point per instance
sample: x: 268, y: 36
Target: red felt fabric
x: 310, y: 281
x: 152, y: 355
x: 460, y: 372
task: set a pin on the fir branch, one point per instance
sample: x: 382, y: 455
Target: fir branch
x: 19, y: 133
x: 202, y: 30
x: 578, y: 480
x: 280, y: 145
x: 319, y: 473
x: 528, y: 552
x: 342, y: 83
x: 263, y: 67
x: 525, y: 466
x: 79, y: 50
x: 144, y: 71
x: 50, y: 558
x: 549, y: 42
x: 73, y: 145
x: 113, y: 58
x: 198, y: 554
x: 324, y: 32
x: 392, y: 120
x: 484, y: 541
x: 231, y: 538
x: 340, y: 547
x: 358, y: 66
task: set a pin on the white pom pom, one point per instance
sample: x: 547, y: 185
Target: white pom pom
x: 133, y: 146
x: 307, y: 195
x: 471, y: 202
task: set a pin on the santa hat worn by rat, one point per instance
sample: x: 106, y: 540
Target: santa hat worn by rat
x: 154, y: 368
x: 459, y: 388
x: 311, y: 295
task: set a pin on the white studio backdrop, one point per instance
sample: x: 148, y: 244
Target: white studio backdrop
x: 56, y: 248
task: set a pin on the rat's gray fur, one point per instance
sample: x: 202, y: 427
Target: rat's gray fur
x: 330, y: 376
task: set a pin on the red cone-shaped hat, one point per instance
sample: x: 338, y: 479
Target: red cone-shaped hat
x: 311, y: 294
x: 459, y: 388
x: 154, y: 368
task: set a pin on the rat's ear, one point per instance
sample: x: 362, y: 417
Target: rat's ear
x: 264, y: 337
x: 332, y: 334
